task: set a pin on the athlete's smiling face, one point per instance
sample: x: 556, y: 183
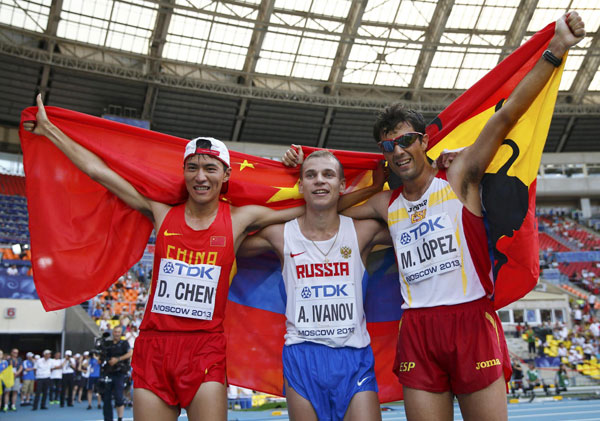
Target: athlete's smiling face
x: 321, y: 182
x: 204, y: 176
x: 407, y: 163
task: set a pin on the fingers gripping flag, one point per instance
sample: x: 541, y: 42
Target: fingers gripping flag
x: 83, y: 237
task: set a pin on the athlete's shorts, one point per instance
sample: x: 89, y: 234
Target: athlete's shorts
x: 329, y: 377
x: 459, y: 348
x: 173, y: 365
x: 27, y: 388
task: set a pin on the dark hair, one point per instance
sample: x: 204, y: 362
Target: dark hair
x: 392, y: 115
x: 324, y: 154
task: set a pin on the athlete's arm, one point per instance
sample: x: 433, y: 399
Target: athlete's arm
x: 267, y: 239
x: 93, y: 166
x: 468, y: 167
x: 374, y: 208
x: 371, y: 232
x: 246, y: 219
x: 350, y: 199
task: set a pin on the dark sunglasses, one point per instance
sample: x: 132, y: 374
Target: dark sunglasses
x: 404, y: 141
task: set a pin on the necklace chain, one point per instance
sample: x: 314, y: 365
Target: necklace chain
x: 330, y: 248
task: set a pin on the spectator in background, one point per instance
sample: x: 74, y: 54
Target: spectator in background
x: 97, y: 312
x: 78, y: 383
x: 131, y: 335
x: 592, y: 303
x: 534, y: 380
x: 12, y: 270
x: 10, y: 393
x: 561, y: 380
x: 68, y: 379
x: 56, y: 379
x: 28, y: 378
x: 588, y: 350
x: 118, y: 355
x: 577, y: 315
x: 595, y: 329
x: 530, y: 341
x: 93, y: 370
x: 517, y: 377
x: 518, y: 330
x: 575, y: 357
x: 562, y: 351
x: 43, y: 368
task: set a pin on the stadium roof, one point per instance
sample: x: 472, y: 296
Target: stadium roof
x: 281, y: 71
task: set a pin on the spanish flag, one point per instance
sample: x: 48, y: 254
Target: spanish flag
x: 83, y: 237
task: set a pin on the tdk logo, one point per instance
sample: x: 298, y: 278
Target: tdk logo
x: 321, y: 291
x: 425, y: 227
x: 189, y: 271
x: 168, y: 268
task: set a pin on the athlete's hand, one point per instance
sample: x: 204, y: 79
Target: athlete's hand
x: 113, y: 361
x: 41, y: 122
x: 293, y: 157
x: 569, y: 30
x: 444, y: 160
x: 380, y: 175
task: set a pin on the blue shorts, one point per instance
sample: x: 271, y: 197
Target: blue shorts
x: 92, y: 383
x: 329, y: 377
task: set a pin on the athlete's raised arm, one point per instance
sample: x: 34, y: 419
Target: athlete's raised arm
x: 468, y: 167
x: 92, y: 165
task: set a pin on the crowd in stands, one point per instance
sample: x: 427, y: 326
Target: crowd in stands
x: 576, y: 349
x: 16, y: 264
x: 122, y: 304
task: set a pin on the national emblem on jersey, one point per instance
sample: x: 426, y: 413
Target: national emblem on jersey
x: 418, y: 216
x: 346, y: 252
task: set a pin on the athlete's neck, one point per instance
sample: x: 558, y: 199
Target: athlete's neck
x: 415, y: 188
x: 200, y: 216
x: 319, y: 225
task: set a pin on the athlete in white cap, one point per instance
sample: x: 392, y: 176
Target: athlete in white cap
x: 194, y: 263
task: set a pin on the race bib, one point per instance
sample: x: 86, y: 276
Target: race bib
x: 326, y: 310
x: 185, y: 290
x: 427, y: 248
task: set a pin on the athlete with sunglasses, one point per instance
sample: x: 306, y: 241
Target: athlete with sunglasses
x: 451, y: 340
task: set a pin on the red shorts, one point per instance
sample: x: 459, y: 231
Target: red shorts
x: 173, y: 365
x: 460, y: 348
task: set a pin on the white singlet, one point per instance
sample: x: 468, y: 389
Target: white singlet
x: 324, y: 288
x: 441, y: 248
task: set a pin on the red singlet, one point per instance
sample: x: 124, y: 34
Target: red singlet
x: 191, y: 274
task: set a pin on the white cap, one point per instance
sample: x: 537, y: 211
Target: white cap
x: 68, y: 352
x: 37, y: 356
x: 77, y: 355
x: 86, y: 353
x: 47, y: 351
x: 29, y: 354
x: 207, y: 146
